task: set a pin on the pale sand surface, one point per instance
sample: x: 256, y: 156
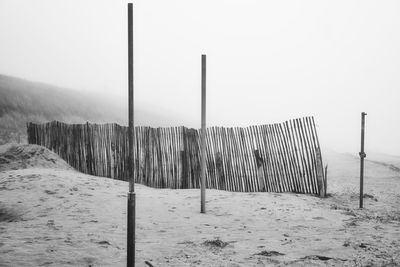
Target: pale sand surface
x: 52, y: 215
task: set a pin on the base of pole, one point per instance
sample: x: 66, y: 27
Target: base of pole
x: 202, y: 210
x: 131, y: 229
x: 203, y: 201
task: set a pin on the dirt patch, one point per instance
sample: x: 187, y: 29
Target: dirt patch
x: 270, y: 253
x: 217, y: 243
x: 317, y: 257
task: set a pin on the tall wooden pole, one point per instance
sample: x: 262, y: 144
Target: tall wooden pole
x: 203, y: 134
x: 362, y: 156
x: 131, y: 195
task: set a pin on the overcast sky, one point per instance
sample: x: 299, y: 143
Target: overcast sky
x: 267, y: 61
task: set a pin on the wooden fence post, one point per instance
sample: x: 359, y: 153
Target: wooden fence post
x: 203, y: 134
x: 260, y: 175
x: 131, y: 213
x: 362, y: 156
x: 320, y: 175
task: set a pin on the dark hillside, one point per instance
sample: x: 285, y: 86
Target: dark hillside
x: 23, y: 101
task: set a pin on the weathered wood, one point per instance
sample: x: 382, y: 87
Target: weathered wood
x: 320, y: 174
x: 264, y: 155
x: 300, y: 155
x: 292, y: 140
x: 278, y: 157
x: 268, y: 158
x: 307, y: 156
x: 243, y: 159
x: 248, y: 144
x: 283, y: 158
x: 289, y: 156
x: 235, y: 156
x: 310, y: 148
x: 274, y: 160
x: 228, y: 156
x: 222, y: 152
x: 211, y: 181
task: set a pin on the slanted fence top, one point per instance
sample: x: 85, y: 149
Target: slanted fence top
x: 281, y: 157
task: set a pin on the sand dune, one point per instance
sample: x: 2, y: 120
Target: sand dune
x: 15, y: 157
x: 52, y: 215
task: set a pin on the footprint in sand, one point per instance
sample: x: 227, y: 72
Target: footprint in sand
x: 89, y: 260
x: 103, y: 243
x: 51, y: 249
x: 50, y: 192
x: 46, y: 263
x: 51, y: 225
x: 269, y: 253
x: 85, y: 195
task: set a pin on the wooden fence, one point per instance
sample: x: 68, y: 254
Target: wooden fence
x: 275, y: 158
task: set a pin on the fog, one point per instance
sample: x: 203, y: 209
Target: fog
x: 267, y: 61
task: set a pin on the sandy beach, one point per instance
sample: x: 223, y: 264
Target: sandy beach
x: 52, y: 215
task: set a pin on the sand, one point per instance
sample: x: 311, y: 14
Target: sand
x: 52, y: 215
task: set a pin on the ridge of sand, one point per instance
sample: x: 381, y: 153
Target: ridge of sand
x: 59, y: 217
x: 22, y: 156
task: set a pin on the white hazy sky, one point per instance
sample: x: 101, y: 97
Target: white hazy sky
x: 267, y: 61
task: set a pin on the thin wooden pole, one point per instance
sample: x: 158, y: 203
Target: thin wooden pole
x: 203, y: 134
x: 131, y: 195
x: 362, y: 156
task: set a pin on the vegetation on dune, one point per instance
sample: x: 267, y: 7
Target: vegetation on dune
x: 23, y: 101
